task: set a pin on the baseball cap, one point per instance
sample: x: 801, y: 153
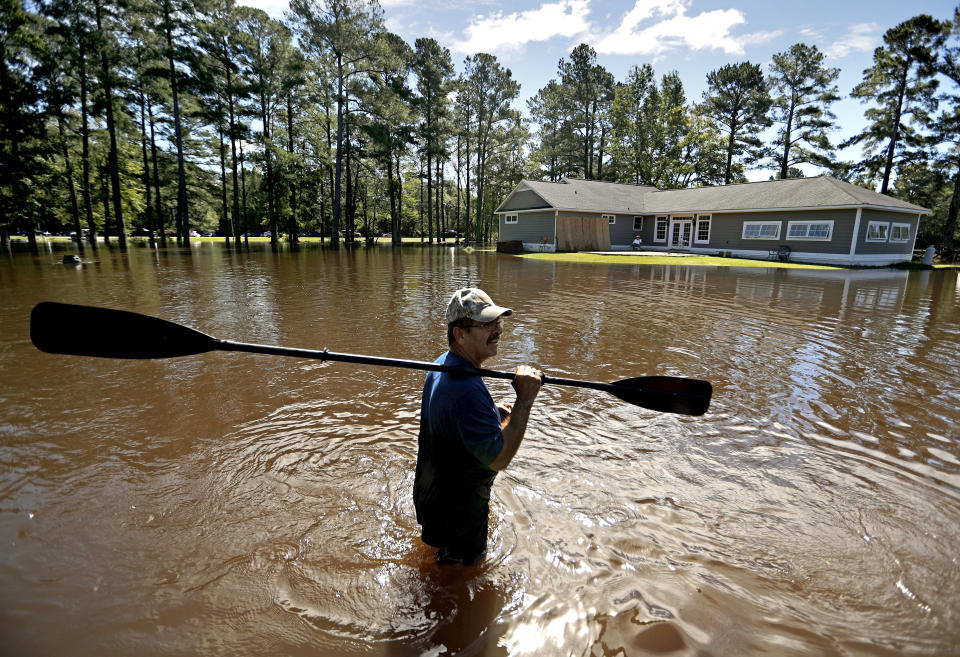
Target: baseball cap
x: 476, y: 304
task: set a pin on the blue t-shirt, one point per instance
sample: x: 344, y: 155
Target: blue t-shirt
x: 459, y: 438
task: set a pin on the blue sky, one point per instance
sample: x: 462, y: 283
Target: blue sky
x: 692, y: 37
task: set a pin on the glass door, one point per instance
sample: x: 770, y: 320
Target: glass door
x: 681, y: 233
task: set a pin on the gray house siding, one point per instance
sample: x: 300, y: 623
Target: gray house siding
x: 726, y: 231
x: 867, y: 248
x: 531, y: 227
x: 622, y: 231
x: 815, y: 200
x: 524, y: 200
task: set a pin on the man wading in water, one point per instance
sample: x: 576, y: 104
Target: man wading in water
x: 465, y: 438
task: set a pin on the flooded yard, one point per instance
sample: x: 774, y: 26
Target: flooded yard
x: 226, y: 503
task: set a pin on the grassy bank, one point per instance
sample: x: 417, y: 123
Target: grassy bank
x: 692, y: 260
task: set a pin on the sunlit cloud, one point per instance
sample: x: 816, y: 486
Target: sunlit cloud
x: 498, y: 32
x: 655, y: 26
x: 863, y: 37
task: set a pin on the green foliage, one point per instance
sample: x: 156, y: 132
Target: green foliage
x: 737, y: 100
x: 902, y: 89
x: 221, y: 123
x: 803, y: 89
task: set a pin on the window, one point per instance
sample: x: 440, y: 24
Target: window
x: 703, y: 228
x: 509, y: 218
x: 661, y: 233
x: 899, y: 232
x: 638, y: 223
x: 877, y: 231
x: 611, y: 218
x: 810, y: 230
x: 761, y: 230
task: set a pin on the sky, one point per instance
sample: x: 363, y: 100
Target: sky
x: 692, y: 37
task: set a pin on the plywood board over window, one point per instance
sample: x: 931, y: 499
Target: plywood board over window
x: 583, y: 233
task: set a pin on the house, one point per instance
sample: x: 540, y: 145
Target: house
x: 820, y: 219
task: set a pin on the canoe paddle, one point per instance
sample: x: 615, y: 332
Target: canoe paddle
x: 61, y: 328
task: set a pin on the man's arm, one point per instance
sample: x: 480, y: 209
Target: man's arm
x: 527, y: 383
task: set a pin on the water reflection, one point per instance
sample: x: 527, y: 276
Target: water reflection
x: 235, y: 503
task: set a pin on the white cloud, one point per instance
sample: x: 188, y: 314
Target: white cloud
x: 674, y: 29
x: 499, y: 32
x: 863, y: 37
x: 757, y: 38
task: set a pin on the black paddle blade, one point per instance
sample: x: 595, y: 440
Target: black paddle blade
x: 667, y: 394
x: 61, y: 328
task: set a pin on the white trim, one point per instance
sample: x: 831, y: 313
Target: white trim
x: 878, y: 240
x: 724, y: 210
x: 743, y: 230
x: 696, y: 228
x: 802, y: 208
x: 556, y: 220
x: 894, y: 225
x: 546, y: 209
x: 915, y: 232
x: 506, y: 219
x: 807, y: 238
x: 635, y: 217
x: 656, y: 228
x: 807, y: 257
x: 676, y: 220
x: 856, y: 232
x: 611, y: 218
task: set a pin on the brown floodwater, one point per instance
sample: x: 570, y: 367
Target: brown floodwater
x: 238, y: 504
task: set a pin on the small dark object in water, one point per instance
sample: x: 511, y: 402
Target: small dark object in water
x: 71, y: 260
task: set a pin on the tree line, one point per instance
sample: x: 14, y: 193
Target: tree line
x: 167, y: 117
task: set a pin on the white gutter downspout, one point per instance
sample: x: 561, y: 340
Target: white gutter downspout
x: 856, y: 234
x: 556, y: 213
x: 915, y: 232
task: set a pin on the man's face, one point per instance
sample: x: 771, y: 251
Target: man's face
x: 480, y: 341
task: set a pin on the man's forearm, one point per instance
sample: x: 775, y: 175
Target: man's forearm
x: 513, y: 430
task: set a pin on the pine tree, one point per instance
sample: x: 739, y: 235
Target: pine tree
x: 902, y: 87
x: 803, y: 91
x: 433, y: 68
x: 489, y: 89
x: 346, y: 30
x: 737, y: 100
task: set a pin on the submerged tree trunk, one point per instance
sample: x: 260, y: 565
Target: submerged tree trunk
x: 183, y: 222
x: 951, y: 226
x: 225, y: 221
x: 68, y: 174
x: 113, y: 159
x: 85, y: 188
x: 161, y: 220
x: 147, y: 196
x: 243, y: 187
x: 292, y: 233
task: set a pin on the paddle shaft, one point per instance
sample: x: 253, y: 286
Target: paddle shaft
x: 325, y: 355
x: 107, y: 333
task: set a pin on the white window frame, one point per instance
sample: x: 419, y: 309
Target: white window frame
x: 511, y: 218
x: 635, y: 220
x: 743, y: 233
x: 611, y: 218
x: 885, y: 225
x: 806, y: 237
x: 893, y: 232
x: 707, y: 219
x: 661, y: 220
